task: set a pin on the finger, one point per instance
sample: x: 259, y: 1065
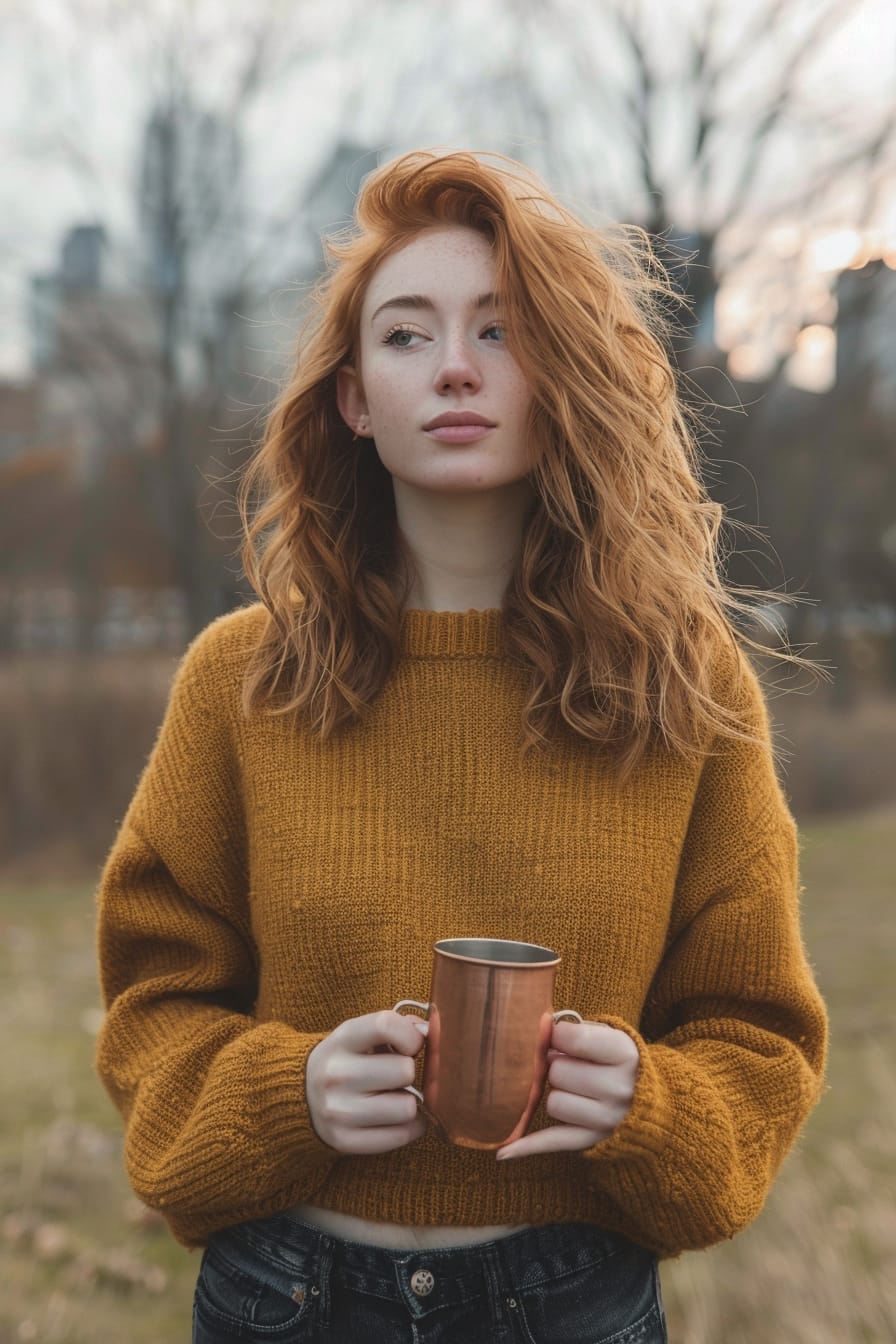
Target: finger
x: 600, y: 1081
x: 352, y: 1110
x: 363, y: 1034
x: 388, y: 1108
x: 368, y: 1074
x: 554, y: 1139
x: 385, y: 1140
x: 422, y: 1027
x: 594, y: 1041
x: 571, y: 1109
x: 344, y: 1111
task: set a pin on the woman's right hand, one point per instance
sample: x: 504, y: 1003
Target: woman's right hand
x: 353, y: 1084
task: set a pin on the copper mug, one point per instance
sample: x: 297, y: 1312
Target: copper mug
x: 490, y: 1015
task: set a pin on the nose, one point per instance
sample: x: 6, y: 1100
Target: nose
x: 458, y: 369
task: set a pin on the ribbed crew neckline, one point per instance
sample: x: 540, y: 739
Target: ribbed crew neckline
x: 447, y: 634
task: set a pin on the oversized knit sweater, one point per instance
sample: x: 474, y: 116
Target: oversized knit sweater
x: 266, y: 886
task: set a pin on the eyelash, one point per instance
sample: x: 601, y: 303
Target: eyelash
x: 393, y: 331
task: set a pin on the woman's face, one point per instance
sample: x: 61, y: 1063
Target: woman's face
x: 431, y: 345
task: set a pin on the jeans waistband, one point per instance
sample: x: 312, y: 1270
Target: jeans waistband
x: 451, y: 1274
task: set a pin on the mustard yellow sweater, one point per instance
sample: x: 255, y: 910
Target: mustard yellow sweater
x: 264, y: 887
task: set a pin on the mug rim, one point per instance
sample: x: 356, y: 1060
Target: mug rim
x: 550, y: 957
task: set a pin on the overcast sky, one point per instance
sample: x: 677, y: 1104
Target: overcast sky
x: 400, y: 73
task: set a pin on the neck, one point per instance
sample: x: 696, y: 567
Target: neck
x: 462, y: 548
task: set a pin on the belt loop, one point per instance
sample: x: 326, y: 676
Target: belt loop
x: 324, y: 1267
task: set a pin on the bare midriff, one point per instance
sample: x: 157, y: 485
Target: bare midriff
x: 393, y: 1236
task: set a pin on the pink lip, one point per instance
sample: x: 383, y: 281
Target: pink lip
x: 458, y: 426
x: 460, y: 433
x: 458, y: 418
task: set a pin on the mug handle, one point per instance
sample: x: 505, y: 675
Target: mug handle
x: 423, y: 1008
x: 570, y: 1013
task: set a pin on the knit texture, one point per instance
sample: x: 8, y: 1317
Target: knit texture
x: 265, y: 887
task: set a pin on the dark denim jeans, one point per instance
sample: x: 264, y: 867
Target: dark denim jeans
x: 566, y: 1283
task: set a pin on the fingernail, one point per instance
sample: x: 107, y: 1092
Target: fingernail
x: 422, y: 1027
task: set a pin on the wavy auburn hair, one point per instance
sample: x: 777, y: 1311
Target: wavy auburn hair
x: 616, y: 606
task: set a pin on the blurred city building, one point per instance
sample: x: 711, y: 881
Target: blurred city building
x: 94, y: 350
x: 866, y: 334
x: 132, y: 367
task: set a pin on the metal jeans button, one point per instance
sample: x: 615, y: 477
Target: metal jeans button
x: 422, y: 1283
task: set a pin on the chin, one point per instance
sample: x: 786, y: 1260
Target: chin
x: 467, y: 478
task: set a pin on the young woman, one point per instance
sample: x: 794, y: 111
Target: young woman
x: 492, y: 688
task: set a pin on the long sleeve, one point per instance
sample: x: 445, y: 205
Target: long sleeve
x: 266, y: 886
x: 732, y: 1041
x: 213, y: 1099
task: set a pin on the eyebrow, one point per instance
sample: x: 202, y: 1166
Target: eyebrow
x: 421, y: 302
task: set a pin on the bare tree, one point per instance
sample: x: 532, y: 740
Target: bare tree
x: 203, y: 237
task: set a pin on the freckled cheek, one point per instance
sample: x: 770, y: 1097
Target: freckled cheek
x: 392, y: 420
x: 514, y: 390
x: 393, y: 415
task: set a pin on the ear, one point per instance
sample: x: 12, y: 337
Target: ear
x: 351, y: 401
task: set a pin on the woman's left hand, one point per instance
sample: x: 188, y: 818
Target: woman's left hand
x: 592, y: 1072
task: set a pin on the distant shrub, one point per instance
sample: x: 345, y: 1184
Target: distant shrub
x: 836, y: 759
x: 75, y: 732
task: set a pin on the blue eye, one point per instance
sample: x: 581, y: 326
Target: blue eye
x: 389, y: 338
x: 496, y: 326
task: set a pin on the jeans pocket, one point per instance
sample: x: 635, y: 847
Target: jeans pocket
x: 233, y: 1303
x: 614, y: 1301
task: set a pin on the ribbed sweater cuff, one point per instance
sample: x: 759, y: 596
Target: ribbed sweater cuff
x: 645, y: 1131
x: 238, y: 1163
x: 287, y: 1120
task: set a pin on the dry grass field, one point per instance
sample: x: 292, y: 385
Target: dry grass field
x: 82, y: 1263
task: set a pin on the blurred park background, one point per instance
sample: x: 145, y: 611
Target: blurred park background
x: 168, y: 170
